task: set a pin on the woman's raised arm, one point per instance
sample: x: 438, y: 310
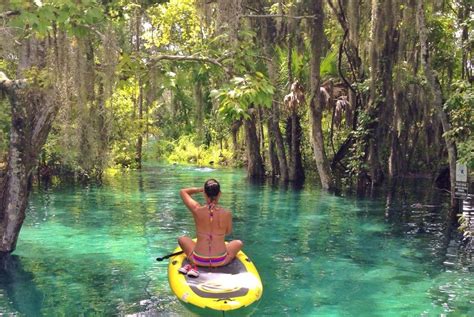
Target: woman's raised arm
x: 186, y: 193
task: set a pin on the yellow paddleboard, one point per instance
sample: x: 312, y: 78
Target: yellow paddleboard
x: 228, y: 287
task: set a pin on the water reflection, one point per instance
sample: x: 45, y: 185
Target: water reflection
x: 18, y: 288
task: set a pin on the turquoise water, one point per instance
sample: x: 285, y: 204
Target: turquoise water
x: 90, y: 250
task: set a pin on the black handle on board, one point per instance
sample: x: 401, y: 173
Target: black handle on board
x: 169, y: 256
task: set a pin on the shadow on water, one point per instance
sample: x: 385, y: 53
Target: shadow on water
x: 18, y: 285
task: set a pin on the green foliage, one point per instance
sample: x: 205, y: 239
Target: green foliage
x: 5, y: 113
x: 216, y: 130
x: 460, y: 107
x: 445, y: 54
x: 299, y: 66
x: 464, y: 226
x: 126, y: 126
x: 37, y: 77
x: 329, y: 65
x: 176, y: 23
x: 190, y: 123
x: 356, y: 163
x: 75, y: 17
x: 246, y: 57
x: 466, y: 152
x: 174, y: 111
x: 237, y: 98
x: 185, y: 151
x: 159, y: 149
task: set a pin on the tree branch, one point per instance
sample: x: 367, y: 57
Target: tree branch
x: 42, y: 125
x: 7, y: 14
x: 192, y: 58
x: 93, y: 29
x: 300, y: 17
x: 251, y: 9
x: 8, y: 85
x: 340, y: 15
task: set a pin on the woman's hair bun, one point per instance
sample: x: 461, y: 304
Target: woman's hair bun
x: 212, y: 188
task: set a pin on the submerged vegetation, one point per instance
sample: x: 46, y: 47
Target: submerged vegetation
x: 360, y: 93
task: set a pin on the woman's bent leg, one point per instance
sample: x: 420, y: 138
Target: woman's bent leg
x: 233, y: 247
x: 187, y: 245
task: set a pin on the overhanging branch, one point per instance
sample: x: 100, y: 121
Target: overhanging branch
x: 187, y: 58
x: 268, y: 16
x: 192, y: 58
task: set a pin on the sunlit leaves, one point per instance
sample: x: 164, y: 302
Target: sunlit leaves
x: 329, y: 65
x: 443, y: 43
x: 174, y: 25
x: 74, y: 17
x: 243, y: 93
x: 460, y: 107
x: 126, y: 126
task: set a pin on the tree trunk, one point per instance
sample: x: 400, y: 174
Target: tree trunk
x: 271, y: 34
x: 15, y: 188
x: 375, y: 88
x: 348, y: 15
x: 395, y: 157
x: 434, y: 88
x: 296, y: 172
x: 139, y: 149
x: 387, y: 132
x: 401, y: 126
x: 199, y: 124
x: 353, y: 19
x: 102, y: 126
x: 383, y: 48
x: 279, y: 144
x: 275, y: 126
x: 260, y: 133
x: 32, y: 112
x: 349, y: 19
x: 235, y: 132
x: 293, y: 130
x: 464, y: 14
x: 255, y: 167
x: 315, y: 106
x: 139, y: 100
x: 272, y: 155
x: 228, y: 19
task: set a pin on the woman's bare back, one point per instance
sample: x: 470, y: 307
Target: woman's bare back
x: 212, y: 225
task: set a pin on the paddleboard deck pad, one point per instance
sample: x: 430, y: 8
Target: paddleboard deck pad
x: 228, y: 287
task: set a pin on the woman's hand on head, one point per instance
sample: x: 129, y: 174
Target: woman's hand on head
x: 186, y: 193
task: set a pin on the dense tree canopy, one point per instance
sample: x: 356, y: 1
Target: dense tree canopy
x: 359, y: 93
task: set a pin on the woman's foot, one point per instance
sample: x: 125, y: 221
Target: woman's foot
x: 189, y: 270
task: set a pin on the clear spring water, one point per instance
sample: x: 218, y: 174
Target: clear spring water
x: 91, y: 250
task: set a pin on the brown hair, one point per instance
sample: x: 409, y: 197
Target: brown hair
x: 212, y: 188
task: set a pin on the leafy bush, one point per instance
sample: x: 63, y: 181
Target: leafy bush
x: 460, y: 107
x: 185, y: 151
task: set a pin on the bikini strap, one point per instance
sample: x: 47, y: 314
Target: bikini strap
x: 211, y: 207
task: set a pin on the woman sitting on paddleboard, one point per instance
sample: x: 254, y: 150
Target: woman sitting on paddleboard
x: 213, y: 223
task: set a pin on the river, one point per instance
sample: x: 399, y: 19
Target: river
x: 91, y: 250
